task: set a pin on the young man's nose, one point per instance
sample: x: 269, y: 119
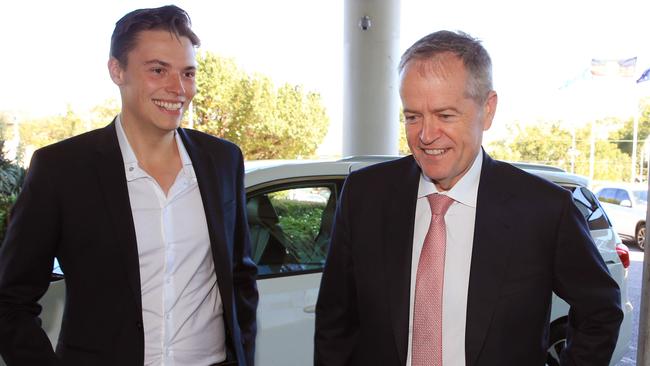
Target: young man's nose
x: 175, y: 84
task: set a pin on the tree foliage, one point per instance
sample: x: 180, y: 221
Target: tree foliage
x: 39, y: 132
x: 624, y: 136
x: 11, y: 180
x: 551, y: 143
x: 265, y: 121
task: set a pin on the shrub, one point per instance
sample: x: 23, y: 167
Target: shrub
x: 6, y: 202
x: 11, y: 180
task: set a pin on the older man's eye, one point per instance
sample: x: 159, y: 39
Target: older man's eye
x: 410, y: 118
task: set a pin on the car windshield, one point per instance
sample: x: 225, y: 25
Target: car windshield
x: 641, y: 197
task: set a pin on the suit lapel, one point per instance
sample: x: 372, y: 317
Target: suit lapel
x: 492, y: 243
x: 398, y: 245
x: 209, y: 177
x: 109, y: 167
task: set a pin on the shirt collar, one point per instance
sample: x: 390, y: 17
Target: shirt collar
x: 131, y: 166
x: 464, y: 191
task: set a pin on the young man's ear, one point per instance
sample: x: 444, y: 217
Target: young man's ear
x: 115, y: 70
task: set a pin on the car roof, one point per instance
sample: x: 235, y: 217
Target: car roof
x: 535, y: 166
x: 562, y: 178
x: 267, y: 171
x: 622, y: 185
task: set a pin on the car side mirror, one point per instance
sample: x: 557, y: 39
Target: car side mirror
x: 626, y: 203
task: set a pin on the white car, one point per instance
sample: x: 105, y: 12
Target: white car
x: 626, y: 206
x: 290, y: 207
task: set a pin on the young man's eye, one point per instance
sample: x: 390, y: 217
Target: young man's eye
x: 157, y: 70
x: 190, y: 74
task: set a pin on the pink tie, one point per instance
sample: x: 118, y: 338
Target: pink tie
x: 427, y: 313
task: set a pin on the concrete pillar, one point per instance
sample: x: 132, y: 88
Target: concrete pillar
x: 370, y: 87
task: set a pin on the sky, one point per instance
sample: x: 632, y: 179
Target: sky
x: 54, y: 53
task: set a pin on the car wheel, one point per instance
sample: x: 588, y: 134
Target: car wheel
x: 556, y: 344
x: 640, y: 235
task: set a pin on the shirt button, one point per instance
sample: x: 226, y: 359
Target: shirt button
x: 168, y: 316
x: 131, y: 168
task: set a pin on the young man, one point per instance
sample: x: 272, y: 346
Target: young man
x: 447, y: 257
x: 147, y: 221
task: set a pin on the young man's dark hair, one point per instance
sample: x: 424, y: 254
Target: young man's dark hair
x: 170, y: 18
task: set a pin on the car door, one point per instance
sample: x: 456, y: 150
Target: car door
x: 627, y: 215
x: 290, y: 227
x: 611, y: 198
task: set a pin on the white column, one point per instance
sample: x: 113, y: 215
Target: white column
x: 370, y: 87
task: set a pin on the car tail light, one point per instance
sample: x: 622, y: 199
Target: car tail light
x: 624, y: 253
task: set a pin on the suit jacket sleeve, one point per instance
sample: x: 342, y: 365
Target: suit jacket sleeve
x: 244, y: 272
x: 582, y: 279
x: 337, y: 321
x: 26, y: 258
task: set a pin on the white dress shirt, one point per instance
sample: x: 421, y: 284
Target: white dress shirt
x: 181, y: 306
x: 459, y: 221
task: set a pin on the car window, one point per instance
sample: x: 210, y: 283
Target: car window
x: 607, y: 195
x: 57, y: 272
x: 621, y: 195
x: 602, y: 194
x: 591, y: 210
x: 641, y: 197
x: 290, y: 228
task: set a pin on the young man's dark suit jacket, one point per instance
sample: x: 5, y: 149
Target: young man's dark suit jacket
x: 75, y: 206
x: 529, y: 239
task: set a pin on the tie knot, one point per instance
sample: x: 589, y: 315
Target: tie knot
x: 439, y: 203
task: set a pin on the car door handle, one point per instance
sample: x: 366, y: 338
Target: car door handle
x: 309, y: 309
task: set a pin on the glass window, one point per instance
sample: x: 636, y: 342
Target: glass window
x: 607, y: 195
x: 641, y: 197
x: 590, y: 208
x: 621, y: 195
x: 57, y: 272
x: 290, y: 228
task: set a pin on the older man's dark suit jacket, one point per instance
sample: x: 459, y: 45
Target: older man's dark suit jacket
x: 529, y: 240
x: 75, y: 206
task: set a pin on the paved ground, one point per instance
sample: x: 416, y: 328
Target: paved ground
x: 634, y: 293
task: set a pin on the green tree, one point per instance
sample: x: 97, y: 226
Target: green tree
x: 39, y: 132
x: 542, y: 143
x: 550, y: 143
x: 265, y: 121
x: 610, y: 163
x: 403, y: 143
x: 11, y: 180
x: 625, y: 135
x: 102, y: 114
